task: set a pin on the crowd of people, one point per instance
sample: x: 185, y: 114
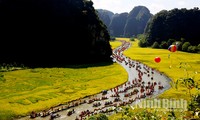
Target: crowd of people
x: 139, y: 86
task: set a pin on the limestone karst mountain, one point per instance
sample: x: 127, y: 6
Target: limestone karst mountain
x: 126, y: 24
x: 52, y: 32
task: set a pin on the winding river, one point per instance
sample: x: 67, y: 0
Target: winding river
x: 143, y: 82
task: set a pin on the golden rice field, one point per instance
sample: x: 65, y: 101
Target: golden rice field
x: 175, y: 65
x: 41, y: 88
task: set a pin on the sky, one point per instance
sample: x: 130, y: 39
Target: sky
x: 120, y: 6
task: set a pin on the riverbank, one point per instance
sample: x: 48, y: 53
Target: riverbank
x: 143, y: 82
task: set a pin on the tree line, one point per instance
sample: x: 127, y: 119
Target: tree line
x: 176, y: 26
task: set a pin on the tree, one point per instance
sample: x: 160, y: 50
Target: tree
x: 185, y: 46
x: 98, y: 117
x: 192, y: 49
x: 92, y: 118
x: 198, y: 47
x: 102, y: 117
x: 170, y: 41
x: 142, y: 43
x: 174, y: 24
x: 194, y: 104
x: 155, y: 45
x: 164, y: 45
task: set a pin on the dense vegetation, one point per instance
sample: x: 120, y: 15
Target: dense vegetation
x: 23, y: 91
x: 126, y: 24
x: 180, y: 26
x: 183, y: 68
x: 52, y: 33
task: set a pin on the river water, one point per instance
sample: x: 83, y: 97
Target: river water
x: 143, y: 82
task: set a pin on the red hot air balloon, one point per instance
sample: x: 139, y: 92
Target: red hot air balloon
x: 157, y: 59
x: 172, y: 48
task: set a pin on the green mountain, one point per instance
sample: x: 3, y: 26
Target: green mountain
x: 178, y: 24
x: 105, y: 16
x: 126, y: 24
x: 137, y: 21
x: 52, y: 33
x: 117, y: 24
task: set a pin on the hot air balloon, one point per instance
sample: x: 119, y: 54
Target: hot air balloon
x: 157, y: 59
x: 172, y: 48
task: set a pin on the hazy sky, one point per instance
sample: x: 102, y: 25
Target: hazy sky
x: 119, y: 6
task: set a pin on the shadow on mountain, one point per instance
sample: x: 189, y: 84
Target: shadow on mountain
x: 52, y: 33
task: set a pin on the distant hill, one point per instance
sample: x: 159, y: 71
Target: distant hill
x: 52, y: 33
x: 178, y: 24
x: 105, y: 16
x: 116, y: 27
x: 126, y: 24
x: 137, y: 21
